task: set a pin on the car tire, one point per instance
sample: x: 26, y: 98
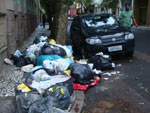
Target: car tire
x: 130, y: 53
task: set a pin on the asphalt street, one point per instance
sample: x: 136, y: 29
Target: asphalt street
x: 129, y: 90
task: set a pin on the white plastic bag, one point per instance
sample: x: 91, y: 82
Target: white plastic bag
x: 40, y: 75
x: 42, y: 85
x: 27, y: 68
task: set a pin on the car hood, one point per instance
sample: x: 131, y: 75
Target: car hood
x: 105, y: 30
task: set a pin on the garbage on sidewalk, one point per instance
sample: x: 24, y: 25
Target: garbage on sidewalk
x: 8, y: 61
x: 81, y: 73
x: 53, y: 75
x: 102, y: 62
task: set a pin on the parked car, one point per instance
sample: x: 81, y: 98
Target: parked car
x: 93, y: 33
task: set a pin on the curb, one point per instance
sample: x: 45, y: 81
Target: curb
x: 141, y: 28
x: 77, y: 100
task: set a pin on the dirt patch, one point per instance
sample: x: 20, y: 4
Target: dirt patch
x: 113, y: 106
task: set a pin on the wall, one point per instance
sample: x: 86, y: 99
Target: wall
x: 3, y: 39
x: 142, y: 12
x: 18, y: 19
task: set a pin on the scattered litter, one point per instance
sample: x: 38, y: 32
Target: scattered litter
x: 106, y: 78
x: 101, y: 62
x: 114, y: 72
x: 107, y: 74
x: 81, y: 73
x: 27, y: 68
x: 141, y: 103
x: 17, y: 53
x: 146, y: 90
x: 118, y: 72
x: 52, y: 75
x: 23, y: 88
x: 137, y: 78
x: 118, y: 65
x: 8, y: 61
x: 97, y: 71
x: 78, y: 86
x: 130, y: 60
x: 48, y: 82
x: 60, y: 95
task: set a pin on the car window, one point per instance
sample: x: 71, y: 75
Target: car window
x: 97, y: 21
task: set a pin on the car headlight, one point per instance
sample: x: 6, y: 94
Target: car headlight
x: 93, y: 41
x: 129, y: 36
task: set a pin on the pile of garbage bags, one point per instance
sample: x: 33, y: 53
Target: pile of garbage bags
x: 52, y: 75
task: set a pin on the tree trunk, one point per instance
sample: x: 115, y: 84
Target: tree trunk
x: 60, y: 23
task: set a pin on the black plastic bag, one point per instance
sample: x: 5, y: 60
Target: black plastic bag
x: 61, y: 96
x: 21, y: 61
x: 81, y: 73
x: 37, y: 39
x: 44, y: 106
x: 69, y: 85
x: 41, y: 106
x: 101, y: 63
x: 25, y: 100
x: 49, y: 49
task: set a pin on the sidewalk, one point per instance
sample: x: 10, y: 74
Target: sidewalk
x: 141, y: 28
x: 11, y: 75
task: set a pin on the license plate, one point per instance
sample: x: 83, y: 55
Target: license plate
x: 115, y: 48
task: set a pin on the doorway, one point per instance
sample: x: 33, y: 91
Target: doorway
x: 143, y: 7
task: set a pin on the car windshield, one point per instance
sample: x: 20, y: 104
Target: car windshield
x: 98, y: 21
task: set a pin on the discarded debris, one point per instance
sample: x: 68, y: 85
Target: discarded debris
x: 53, y: 75
x: 141, y: 103
x: 107, y: 74
x: 118, y: 65
x: 137, y: 78
x: 8, y: 61
x: 106, y: 78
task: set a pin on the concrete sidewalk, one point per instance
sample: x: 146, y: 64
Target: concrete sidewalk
x: 11, y: 75
x: 141, y: 28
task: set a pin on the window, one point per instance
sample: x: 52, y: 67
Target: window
x: 98, y: 21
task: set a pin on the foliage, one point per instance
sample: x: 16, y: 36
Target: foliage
x: 47, y: 5
x: 110, y: 3
x: 87, y: 3
x: 57, y: 9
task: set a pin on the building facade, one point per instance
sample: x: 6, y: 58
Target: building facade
x: 142, y: 12
x: 18, y: 19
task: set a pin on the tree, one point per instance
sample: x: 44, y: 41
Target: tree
x: 60, y: 23
x: 87, y: 3
x: 110, y: 3
x: 58, y: 10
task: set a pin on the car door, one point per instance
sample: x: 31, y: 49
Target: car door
x: 75, y: 35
